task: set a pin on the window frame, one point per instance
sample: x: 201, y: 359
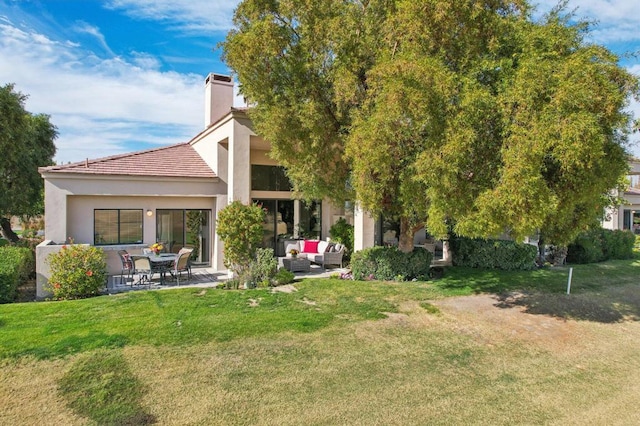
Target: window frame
x: 271, y: 175
x: 118, y: 224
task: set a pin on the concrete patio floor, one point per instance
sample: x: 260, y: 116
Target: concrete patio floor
x: 203, y: 278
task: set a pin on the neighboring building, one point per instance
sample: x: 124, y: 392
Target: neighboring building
x: 627, y: 216
x: 173, y: 194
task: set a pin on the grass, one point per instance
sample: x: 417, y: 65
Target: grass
x: 335, y: 352
x: 100, y: 386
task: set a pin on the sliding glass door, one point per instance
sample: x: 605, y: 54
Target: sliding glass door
x: 186, y: 228
x: 278, y: 224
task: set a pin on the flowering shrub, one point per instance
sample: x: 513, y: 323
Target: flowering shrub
x: 77, y: 271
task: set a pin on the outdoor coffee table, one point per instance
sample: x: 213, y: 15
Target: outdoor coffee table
x: 296, y: 264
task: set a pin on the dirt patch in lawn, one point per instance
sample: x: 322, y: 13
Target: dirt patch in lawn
x: 493, y: 319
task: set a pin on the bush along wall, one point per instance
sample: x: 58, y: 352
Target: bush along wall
x: 493, y: 254
x: 390, y: 264
x: 16, y: 264
x: 598, y: 245
x: 77, y: 271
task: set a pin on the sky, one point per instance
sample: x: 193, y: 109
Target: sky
x: 124, y: 75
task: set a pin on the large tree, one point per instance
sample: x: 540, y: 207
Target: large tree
x: 26, y: 143
x: 465, y: 115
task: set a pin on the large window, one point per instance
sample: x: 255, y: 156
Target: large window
x: 269, y: 178
x: 117, y: 226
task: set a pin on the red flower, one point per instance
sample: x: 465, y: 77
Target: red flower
x: 56, y: 285
x: 89, y: 273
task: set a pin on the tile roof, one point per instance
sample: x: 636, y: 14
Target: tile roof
x: 179, y: 160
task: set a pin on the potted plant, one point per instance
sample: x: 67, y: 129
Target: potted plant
x: 156, y: 248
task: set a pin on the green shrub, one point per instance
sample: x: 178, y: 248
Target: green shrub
x: 240, y: 229
x: 493, y: 254
x: 263, y: 267
x: 341, y: 232
x: 419, y: 264
x: 283, y: 277
x: 598, y: 244
x: 77, y: 271
x: 16, y: 264
x: 389, y: 263
x: 619, y: 244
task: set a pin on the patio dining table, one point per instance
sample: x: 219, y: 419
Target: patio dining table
x: 161, y: 263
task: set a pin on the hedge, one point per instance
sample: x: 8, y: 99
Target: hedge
x: 389, y: 264
x: 493, y: 254
x: 598, y: 245
x: 16, y: 263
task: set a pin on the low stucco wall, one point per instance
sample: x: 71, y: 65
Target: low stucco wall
x: 43, y: 272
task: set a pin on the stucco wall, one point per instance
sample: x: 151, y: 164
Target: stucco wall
x: 81, y: 208
x: 364, y: 230
x: 43, y: 272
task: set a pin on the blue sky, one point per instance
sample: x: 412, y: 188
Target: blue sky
x: 124, y: 75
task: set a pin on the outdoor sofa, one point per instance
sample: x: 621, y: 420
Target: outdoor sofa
x: 317, y: 251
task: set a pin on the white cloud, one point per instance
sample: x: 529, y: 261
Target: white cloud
x: 185, y: 15
x: 83, y: 27
x: 617, y: 20
x: 146, y: 60
x: 99, y: 103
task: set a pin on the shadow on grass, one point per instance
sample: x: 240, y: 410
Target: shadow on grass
x: 75, y: 344
x: 606, y: 292
x: 101, y: 387
x: 618, y: 305
x: 496, y: 281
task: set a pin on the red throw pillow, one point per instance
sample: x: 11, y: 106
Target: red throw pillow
x: 310, y: 246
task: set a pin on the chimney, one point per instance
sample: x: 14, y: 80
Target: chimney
x: 218, y: 98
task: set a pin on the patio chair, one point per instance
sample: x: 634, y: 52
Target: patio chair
x: 127, y: 267
x: 181, y: 265
x: 142, y: 268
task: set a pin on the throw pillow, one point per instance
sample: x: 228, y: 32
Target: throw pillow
x: 310, y: 246
x: 338, y: 247
x: 330, y: 248
x: 322, y: 246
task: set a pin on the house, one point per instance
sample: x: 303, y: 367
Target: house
x: 627, y: 215
x: 173, y: 194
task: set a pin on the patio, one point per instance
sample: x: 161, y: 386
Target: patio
x: 204, y: 278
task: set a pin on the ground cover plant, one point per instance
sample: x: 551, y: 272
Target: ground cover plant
x: 511, y: 348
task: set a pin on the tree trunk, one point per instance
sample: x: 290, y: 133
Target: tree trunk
x: 7, y: 232
x: 560, y: 255
x: 541, y: 251
x: 405, y: 242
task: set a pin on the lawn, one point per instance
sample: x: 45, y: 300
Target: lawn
x: 475, y: 347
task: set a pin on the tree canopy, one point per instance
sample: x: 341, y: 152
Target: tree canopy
x: 467, y: 116
x: 26, y: 143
